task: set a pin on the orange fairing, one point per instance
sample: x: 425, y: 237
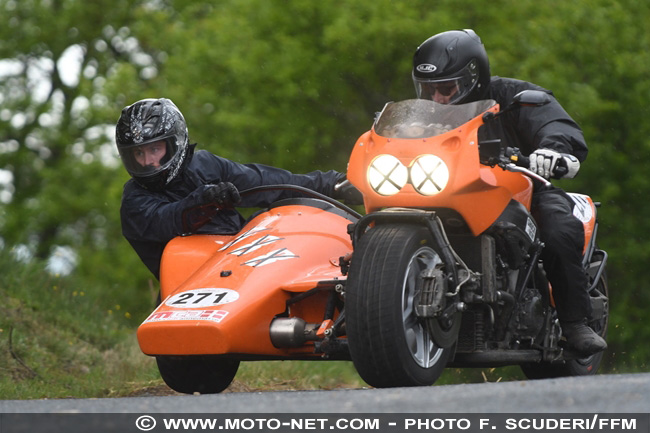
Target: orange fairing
x: 479, y: 193
x: 221, y: 293
x: 183, y: 256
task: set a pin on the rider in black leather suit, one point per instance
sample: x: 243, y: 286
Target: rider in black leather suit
x: 175, y: 191
x: 453, y: 68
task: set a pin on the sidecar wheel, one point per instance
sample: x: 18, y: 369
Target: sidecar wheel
x: 389, y: 345
x: 581, y: 366
x: 202, y: 374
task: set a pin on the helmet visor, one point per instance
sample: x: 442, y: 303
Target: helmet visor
x: 148, y: 159
x: 452, y: 89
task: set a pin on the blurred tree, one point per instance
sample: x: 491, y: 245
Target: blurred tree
x: 61, y: 60
x: 285, y: 83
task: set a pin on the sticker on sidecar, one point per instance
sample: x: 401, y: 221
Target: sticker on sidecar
x: 211, y: 315
x: 272, y: 257
x: 262, y: 227
x: 255, y: 245
x: 201, y: 298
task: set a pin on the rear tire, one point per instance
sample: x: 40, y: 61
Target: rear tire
x: 389, y: 345
x: 202, y: 374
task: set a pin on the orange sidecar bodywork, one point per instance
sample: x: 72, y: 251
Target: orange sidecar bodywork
x: 221, y: 293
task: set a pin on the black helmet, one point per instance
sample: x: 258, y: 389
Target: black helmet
x: 153, y: 142
x: 453, y: 63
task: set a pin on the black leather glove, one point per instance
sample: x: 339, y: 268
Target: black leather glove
x: 224, y: 195
x: 348, y: 193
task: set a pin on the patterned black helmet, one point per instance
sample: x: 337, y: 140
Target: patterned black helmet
x: 451, y: 68
x: 153, y: 142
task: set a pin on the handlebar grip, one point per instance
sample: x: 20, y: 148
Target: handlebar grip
x: 560, y: 171
x: 514, y: 156
x: 523, y: 161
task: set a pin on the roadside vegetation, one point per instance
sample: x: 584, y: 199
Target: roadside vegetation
x: 62, y: 339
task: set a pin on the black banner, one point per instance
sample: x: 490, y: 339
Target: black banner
x: 285, y: 423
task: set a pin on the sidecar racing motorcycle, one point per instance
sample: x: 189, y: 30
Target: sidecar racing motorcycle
x: 443, y: 269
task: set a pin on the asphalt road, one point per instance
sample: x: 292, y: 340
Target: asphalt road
x: 629, y: 393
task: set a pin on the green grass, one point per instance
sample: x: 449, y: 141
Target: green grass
x: 291, y: 375
x: 57, y: 340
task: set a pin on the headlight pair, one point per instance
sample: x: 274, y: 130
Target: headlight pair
x: 427, y: 173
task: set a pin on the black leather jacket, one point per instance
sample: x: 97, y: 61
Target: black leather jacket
x: 531, y: 128
x: 151, y: 219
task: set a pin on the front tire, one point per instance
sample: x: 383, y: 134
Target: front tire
x: 389, y: 345
x: 202, y: 374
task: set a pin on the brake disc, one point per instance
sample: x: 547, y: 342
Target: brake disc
x: 444, y: 334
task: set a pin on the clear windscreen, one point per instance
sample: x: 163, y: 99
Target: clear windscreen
x: 422, y: 118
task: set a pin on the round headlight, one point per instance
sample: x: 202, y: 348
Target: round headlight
x: 387, y: 175
x: 429, y: 174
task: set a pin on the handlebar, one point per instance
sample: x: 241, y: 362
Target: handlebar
x: 514, y: 156
x: 194, y: 217
x: 516, y: 162
x: 304, y: 191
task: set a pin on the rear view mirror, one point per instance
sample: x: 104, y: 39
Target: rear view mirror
x: 527, y: 98
x: 531, y: 98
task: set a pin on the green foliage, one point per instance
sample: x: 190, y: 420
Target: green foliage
x: 294, y: 84
x: 60, y: 338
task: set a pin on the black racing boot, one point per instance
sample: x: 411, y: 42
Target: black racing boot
x: 582, y: 339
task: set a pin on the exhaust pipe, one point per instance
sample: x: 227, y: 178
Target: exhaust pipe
x: 291, y: 332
